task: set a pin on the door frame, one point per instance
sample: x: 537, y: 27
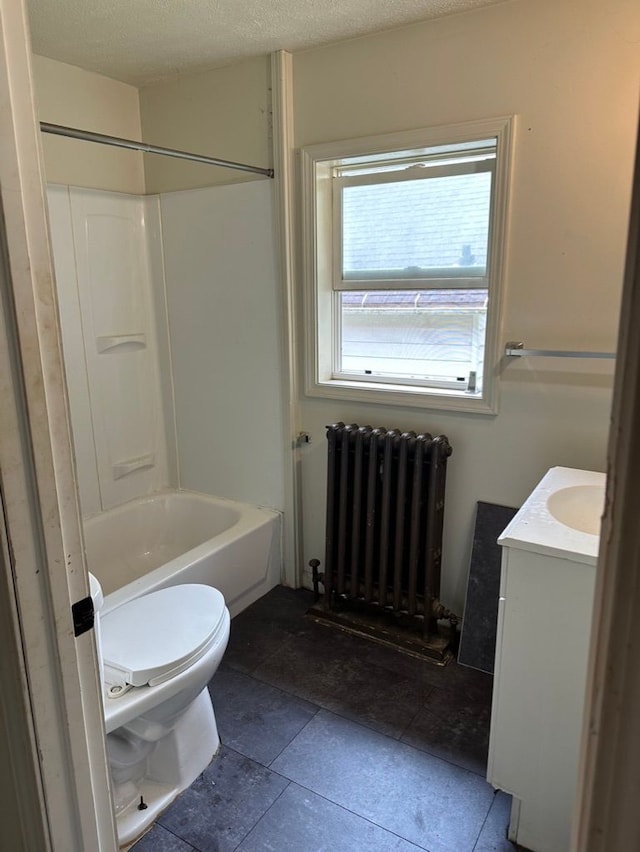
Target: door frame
x: 55, y: 674
x: 607, y: 816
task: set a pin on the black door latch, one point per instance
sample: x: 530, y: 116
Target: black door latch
x: 83, y: 616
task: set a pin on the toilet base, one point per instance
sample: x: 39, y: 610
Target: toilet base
x: 174, y: 764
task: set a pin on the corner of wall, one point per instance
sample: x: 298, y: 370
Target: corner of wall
x: 223, y: 113
x: 76, y: 98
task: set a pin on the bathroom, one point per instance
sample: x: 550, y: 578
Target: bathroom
x: 575, y: 140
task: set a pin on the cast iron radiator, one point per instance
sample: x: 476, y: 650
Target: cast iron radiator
x: 385, y: 507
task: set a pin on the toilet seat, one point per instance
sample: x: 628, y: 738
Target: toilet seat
x: 155, y: 637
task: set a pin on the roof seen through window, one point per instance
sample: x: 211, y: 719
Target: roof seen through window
x: 408, y: 226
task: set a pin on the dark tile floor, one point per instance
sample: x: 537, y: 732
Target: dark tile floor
x: 332, y: 742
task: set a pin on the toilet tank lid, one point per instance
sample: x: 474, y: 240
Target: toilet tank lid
x: 151, y: 638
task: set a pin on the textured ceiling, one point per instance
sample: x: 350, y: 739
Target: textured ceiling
x: 140, y: 41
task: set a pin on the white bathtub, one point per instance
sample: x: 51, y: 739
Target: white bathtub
x: 177, y: 537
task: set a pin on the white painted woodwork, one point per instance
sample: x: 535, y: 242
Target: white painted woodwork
x: 40, y: 504
x: 286, y: 245
x: 607, y: 815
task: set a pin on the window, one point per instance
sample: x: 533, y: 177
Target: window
x: 404, y: 239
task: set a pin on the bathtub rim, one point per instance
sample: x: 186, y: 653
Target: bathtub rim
x: 251, y: 518
x: 161, y: 493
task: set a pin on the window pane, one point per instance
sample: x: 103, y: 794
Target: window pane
x: 436, y: 334
x: 416, y: 228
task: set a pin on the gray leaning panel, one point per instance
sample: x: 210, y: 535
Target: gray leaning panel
x: 478, y: 640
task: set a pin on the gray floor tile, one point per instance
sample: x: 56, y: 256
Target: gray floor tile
x: 419, y: 797
x: 453, y: 675
x: 493, y: 837
x: 371, y: 792
x: 282, y: 606
x: 331, y: 673
x: 158, y: 839
x: 224, y: 803
x: 453, y: 729
x: 248, y: 647
x: 301, y: 821
x: 254, y: 718
x: 467, y: 683
x: 384, y: 656
x: 262, y: 629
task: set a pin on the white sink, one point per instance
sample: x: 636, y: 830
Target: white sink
x: 579, y: 507
x: 561, y: 516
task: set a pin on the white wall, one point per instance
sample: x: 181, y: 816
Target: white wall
x: 223, y: 304
x: 223, y: 113
x: 569, y: 72
x: 70, y: 96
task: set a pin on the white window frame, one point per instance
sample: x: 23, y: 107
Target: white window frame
x: 321, y: 259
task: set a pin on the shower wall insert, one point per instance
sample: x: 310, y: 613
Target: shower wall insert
x: 141, y: 281
x: 105, y: 258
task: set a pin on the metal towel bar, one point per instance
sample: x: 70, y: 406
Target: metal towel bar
x: 515, y: 349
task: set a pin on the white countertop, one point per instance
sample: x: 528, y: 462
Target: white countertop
x: 534, y: 528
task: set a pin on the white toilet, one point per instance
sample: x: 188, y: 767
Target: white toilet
x: 157, y: 653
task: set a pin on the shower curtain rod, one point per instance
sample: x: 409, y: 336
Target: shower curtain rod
x: 101, y: 138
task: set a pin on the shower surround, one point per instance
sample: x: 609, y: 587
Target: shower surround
x: 170, y: 346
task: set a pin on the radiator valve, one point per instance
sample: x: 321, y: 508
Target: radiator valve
x: 317, y: 577
x: 440, y: 612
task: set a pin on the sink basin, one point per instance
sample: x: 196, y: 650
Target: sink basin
x: 561, y: 516
x: 579, y: 507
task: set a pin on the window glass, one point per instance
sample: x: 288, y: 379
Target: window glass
x: 416, y: 228
x: 413, y: 335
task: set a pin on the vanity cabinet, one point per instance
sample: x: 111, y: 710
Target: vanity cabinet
x: 544, y: 622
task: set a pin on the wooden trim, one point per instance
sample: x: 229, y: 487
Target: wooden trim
x: 608, y: 816
x: 25, y: 824
x: 283, y: 159
x: 38, y: 482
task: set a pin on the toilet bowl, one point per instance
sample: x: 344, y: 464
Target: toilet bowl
x: 157, y: 653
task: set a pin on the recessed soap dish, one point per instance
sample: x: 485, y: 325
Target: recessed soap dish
x: 122, y: 342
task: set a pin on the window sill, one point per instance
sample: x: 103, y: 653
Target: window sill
x: 403, y: 395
